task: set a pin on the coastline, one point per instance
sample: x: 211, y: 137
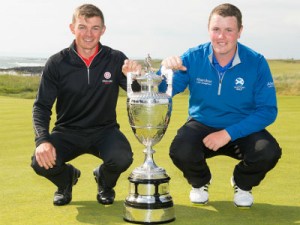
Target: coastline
x: 23, y: 71
x: 21, y: 66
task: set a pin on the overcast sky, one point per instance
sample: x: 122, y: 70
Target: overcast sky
x: 40, y: 28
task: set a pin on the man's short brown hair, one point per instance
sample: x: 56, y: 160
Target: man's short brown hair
x: 87, y: 11
x: 228, y: 10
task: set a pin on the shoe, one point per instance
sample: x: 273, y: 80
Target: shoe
x: 63, y: 196
x: 106, y: 195
x: 242, y: 199
x: 199, y: 195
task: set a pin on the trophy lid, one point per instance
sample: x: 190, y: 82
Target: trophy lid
x: 149, y: 79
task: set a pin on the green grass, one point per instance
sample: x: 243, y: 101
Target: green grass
x: 286, y: 76
x: 27, y: 198
x: 19, y: 86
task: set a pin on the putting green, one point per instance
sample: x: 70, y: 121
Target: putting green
x: 27, y: 198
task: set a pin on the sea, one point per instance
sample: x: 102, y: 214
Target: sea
x: 15, y: 62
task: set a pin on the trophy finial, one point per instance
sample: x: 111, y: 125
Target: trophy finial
x: 148, y: 66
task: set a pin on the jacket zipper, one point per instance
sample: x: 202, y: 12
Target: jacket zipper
x: 88, y: 74
x: 221, y: 76
x: 87, y: 67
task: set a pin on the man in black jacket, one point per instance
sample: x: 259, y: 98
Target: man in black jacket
x: 84, y: 80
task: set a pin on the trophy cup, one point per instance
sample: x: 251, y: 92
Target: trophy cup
x: 149, y: 114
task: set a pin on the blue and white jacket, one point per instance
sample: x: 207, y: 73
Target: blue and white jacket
x: 242, y: 100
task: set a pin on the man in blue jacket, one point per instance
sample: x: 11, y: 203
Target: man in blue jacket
x: 232, y: 100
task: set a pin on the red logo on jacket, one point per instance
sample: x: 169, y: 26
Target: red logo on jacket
x: 107, y: 76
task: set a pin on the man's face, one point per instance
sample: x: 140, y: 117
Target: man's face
x: 224, y: 33
x: 87, y: 33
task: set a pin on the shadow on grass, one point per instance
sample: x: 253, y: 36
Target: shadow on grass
x: 218, y: 212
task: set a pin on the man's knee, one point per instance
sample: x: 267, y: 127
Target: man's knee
x: 266, y: 154
x: 124, y: 163
x: 42, y: 171
x: 120, y: 162
x: 36, y: 167
x: 272, y: 155
x: 185, y: 151
x: 176, y: 153
x: 270, y: 147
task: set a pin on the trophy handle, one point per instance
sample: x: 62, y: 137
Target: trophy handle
x: 130, y: 76
x: 168, y: 73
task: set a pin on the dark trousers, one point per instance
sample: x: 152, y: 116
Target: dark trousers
x: 257, y: 153
x: 108, y: 144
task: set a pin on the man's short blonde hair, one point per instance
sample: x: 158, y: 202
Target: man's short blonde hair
x: 87, y: 11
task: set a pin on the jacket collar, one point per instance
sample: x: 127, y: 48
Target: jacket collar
x: 236, y: 59
x: 73, y: 46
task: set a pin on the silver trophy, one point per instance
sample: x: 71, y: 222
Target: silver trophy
x: 149, y: 113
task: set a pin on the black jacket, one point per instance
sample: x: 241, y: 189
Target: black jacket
x: 86, y: 97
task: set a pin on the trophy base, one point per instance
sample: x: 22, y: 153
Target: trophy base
x: 141, y: 215
x: 149, y: 201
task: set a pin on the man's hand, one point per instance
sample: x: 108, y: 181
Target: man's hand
x: 216, y: 140
x: 131, y: 66
x: 174, y: 63
x: 45, y: 155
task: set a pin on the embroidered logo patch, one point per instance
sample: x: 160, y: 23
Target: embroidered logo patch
x: 239, y: 84
x: 270, y: 84
x: 107, y: 76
